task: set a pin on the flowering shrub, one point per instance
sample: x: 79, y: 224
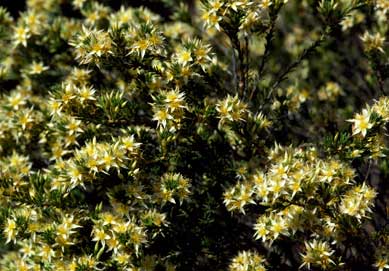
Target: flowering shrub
x: 214, y: 134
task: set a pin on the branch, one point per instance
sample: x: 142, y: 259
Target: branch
x: 305, y: 54
x: 269, y: 38
x: 266, y: 54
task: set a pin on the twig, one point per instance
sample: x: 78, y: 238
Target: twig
x: 283, y: 75
x: 234, y: 69
x: 247, y: 66
x: 241, y: 71
x: 368, y: 171
x: 266, y: 54
x: 380, y: 81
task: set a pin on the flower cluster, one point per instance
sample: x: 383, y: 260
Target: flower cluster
x: 91, y: 45
x: 371, y: 117
x: 329, y: 92
x: 217, y: 13
x: 318, y: 253
x: 247, y: 260
x: 231, y: 109
x: 373, y: 42
x: 295, y: 188
x: 169, y: 108
x: 358, y: 201
x: 171, y: 186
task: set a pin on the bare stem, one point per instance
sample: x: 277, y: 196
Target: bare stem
x: 283, y: 75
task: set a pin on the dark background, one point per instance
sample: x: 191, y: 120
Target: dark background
x: 16, y: 6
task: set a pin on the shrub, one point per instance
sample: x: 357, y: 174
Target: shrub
x: 224, y: 135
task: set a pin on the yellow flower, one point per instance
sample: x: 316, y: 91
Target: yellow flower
x: 78, y: 3
x: 122, y: 258
x: 22, y: 266
x: 73, y: 126
x: 129, y: 143
x: 174, y: 100
x: 10, y: 230
x: 68, y: 93
x: 27, y: 250
x: 358, y: 201
x: 381, y: 264
x: 37, y: 68
x: 215, y: 5
x: 108, y: 219
x: 25, y: 118
x: 373, y: 42
x: 74, y: 174
x: 140, y: 47
x: 93, y: 164
x: 184, y: 56
x: 231, y: 108
x: 55, y: 107
x: 162, y: 116
x: 261, y: 231
x: 123, y: 16
x: 278, y: 226
x: 317, y: 253
x: 86, y: 94
x: 113, y: 244
x: 120, y: 227
x: 211, y: 19
x: 16, y: 99
x: 108, y: 161
x: 247, y: 260
x: 362, y: 123
x: 21, y: 35
x: 265, y: 4
x: 99, y: 235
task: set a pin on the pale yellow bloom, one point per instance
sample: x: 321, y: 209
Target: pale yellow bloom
x: 362, y: 123
x: 10, y: 230
x: 21, y: 35
x: 37, y: 68
x: 381, y: 264
x: 99, y: 235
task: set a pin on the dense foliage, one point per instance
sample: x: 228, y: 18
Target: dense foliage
x: 201, y: 135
